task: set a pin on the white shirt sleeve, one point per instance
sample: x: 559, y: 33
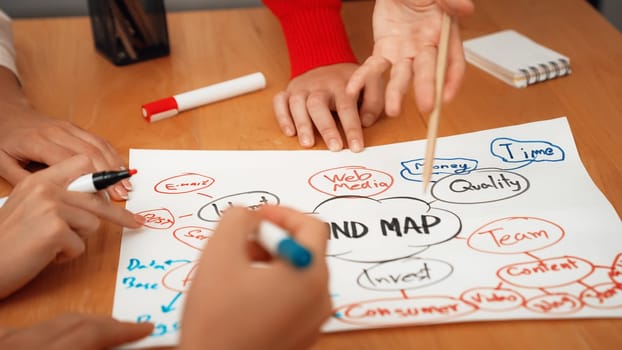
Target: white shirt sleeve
x: 7, y: 50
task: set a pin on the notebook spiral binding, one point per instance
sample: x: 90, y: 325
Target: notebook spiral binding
x: 546, y: 71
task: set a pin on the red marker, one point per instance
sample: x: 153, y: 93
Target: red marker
x: 171, y: 106
x: 94, y: 182
x: 98, y: 181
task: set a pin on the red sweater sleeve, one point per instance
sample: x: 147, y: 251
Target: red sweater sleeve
x: 314, y: 33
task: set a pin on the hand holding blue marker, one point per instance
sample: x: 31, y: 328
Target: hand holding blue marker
x: 278, y: 243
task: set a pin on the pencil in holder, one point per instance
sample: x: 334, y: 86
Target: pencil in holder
x: 129, y: 31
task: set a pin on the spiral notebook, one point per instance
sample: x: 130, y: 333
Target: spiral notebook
x: 515, y: 59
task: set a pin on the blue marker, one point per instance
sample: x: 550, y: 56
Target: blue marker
x: 277, y: 242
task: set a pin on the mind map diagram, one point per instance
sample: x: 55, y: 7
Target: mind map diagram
x: 480, y: 246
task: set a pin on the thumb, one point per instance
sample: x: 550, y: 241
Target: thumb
x: 88, y: 332
x: 64, y: 172
x: 115, y: 333
x: 11, y: 170
x: 459, y: 8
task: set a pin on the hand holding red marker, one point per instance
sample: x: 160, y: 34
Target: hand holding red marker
x: 51, y: 215
x: 100, y: 180
x: 94, y: 182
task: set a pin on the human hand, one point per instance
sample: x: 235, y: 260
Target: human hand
x: 406, y: 38
x: 235, y: 304
x: 42, y: 222
x: 310, y: 99
x: 74, y: 331
x: 28, y: 136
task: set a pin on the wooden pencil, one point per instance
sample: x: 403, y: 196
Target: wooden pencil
x: 441, y: 67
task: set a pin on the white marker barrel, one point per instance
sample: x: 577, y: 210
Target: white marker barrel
x: 220, y: 91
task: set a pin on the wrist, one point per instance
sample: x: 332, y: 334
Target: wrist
x: 11, y: 94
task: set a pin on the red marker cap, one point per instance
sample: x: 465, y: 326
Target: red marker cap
x: 160, y: 109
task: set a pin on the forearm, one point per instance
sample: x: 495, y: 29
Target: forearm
x: 7, y: 50
x: 10, y: 90
x: 314, y: 33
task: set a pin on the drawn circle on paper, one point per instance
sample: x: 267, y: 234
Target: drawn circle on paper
x: 404, y: 274
x: 159, y: 219
x: 252, y: 200
x: 353, y: 180
x: 193, y: 236
x: 180, y: 278
x: 510, y: 150
x: 479, y: 186
x: 546, y: 273
x: 493, y: 299
x: 554, y: 304
x: 616, y: 270
x: 412, y: 170
x: 183, y: 183
x: 515, y: 235
x: 402, y: 311
x: 363, y: 229
x: 603, y: 296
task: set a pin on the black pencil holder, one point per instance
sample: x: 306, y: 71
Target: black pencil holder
x: 129, y: 31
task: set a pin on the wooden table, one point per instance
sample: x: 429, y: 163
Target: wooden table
x: 64, y: 77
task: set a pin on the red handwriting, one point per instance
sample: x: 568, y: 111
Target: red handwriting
x: 542, y: 266
x: 179, y: 278
x: 559, y: 303
x: 159, y: 219
x: 183, y: 183
x: 193, y: 236
x: 515, y: 235
x: 552, y: 272
x: 403, y: 311
x: 603, y: 296
x: 504, y: 239
x: 351, y: 180
x: 615, y: 273
x: 493, y: 299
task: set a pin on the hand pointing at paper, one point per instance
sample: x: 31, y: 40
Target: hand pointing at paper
x: 329, y: 88
x: 406, y: 36
x: 232, y: 303
x: 42, y: 222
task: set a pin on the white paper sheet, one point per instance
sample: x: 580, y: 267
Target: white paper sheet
x: 513, y: 228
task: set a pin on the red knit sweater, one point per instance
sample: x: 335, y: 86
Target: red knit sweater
x: 314, y: 33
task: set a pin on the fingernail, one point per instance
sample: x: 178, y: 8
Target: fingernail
x: 127, y: 184
x: 289, y: 131
x: 305, y: 141
x: 334, y: 145
x: 121, y: 192
x: 368, y: 120
x: 139, y: 219
x: 106, y: 196
x: 356, y: 146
